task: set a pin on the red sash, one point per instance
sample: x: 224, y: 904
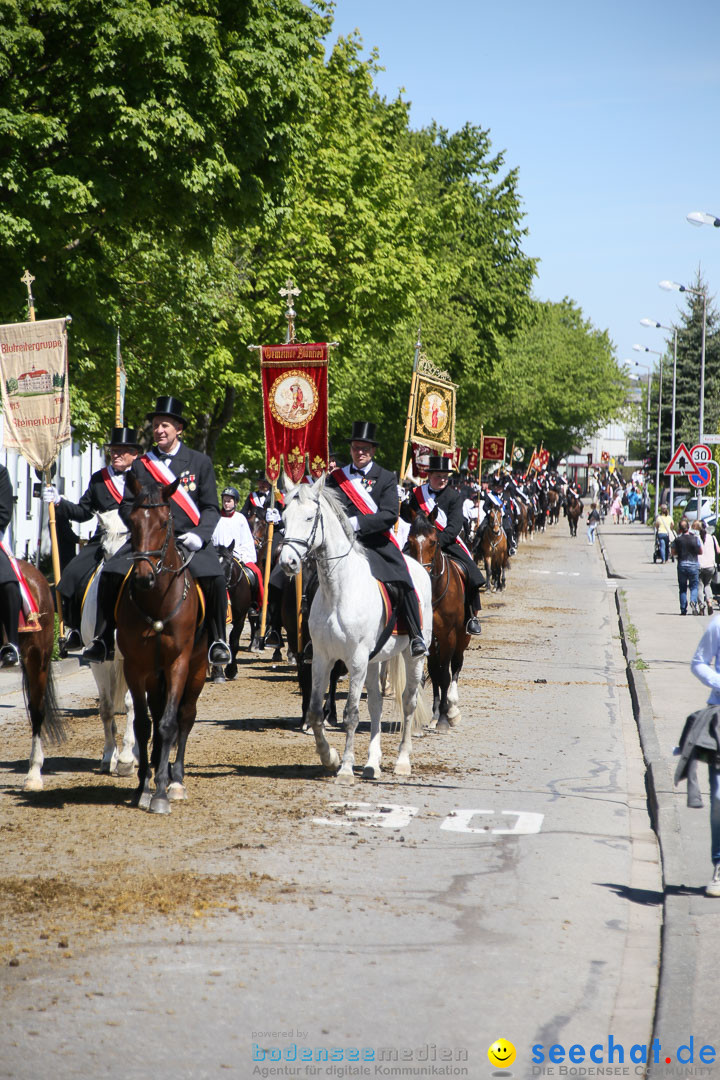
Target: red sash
x: 180, y: 498
x: 427, y: 511
x: 107, y: 480
x: 357, y: 499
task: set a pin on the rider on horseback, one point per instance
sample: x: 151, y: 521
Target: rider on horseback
x: 233, y: 530
x: 195, y: 514
x: 10, y: 597
x: 104, y: 492
x: 449, y: 522
x: 370, y: 498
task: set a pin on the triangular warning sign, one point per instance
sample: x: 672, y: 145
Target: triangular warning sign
x: 682, y: 463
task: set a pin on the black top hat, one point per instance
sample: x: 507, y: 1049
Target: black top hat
x: 168, y: 406
x: 124, y: 436
x: 363, y: 431
x: 438, y: 463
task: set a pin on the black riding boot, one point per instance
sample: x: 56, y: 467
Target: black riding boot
x: 411, y: 611
x: 216, y: 609
x: 273, y: 635
x: 102, y: 646
x: 10, y: 607
x: 473, y: 624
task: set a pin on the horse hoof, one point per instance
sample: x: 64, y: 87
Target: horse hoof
x: 230, y: 672
x: 277, y: 656
x: 442, y: 727
x: 144, y: 800
x: 159, y: 805
x: 402, y: 768
x: 346, y: 778
x: 105, y: 769
x: 371, y: 772
x: 125, y: 768
x: 177, y: 792
x: 33, y: 784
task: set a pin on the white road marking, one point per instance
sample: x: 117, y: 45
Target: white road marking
x: 527, y: 822
x: 381, y: 816
x: 558, y: 573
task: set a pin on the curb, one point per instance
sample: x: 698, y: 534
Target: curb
x: 673, y: 1003
x: 611, y: 571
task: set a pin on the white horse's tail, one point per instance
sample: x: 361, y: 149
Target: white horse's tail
x: 396, y: 679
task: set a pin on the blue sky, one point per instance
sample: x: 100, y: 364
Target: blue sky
x: 609, y: 112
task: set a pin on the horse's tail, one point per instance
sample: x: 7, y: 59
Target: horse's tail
x: 52, y: 726
x: 397, y: 680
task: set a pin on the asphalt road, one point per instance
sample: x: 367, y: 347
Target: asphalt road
x: 497, y: 898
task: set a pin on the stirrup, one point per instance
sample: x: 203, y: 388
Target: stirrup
x: 473, y: 625
x: 219, y: 653
x: 418, y: 646
x: 273, y: 638
x: 97, y: 652
x: 9, y: 655
x: 73, y: 639
x: 307, y: 654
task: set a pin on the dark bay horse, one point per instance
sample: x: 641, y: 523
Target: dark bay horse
x: 574, y: 510
x: 240, y: 596
x: 35, y: 656
x: 492, y: 547
x: 554, y: 504
x: 164, y: 652
x: 450, y: 639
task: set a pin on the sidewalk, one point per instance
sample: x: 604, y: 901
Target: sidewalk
x: 660, y: 644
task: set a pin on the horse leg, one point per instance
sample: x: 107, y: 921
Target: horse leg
x: 103, y: 680
x: 35, y: 689
x: 330, y: 710
x: 238, y: 625
x: 143, y: 792
x: 321, y: 666
x: 185, y: 720
x: 413, y: 677
x: 453, y: 694
x: 433, y: 666
x: 167, y: 730
x: 351, y: 715
x: 123, y: 704
x: 443, y: 725
x: 373, y: 769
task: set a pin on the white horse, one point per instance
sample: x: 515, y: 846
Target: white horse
x: 346, y: 619
x: 110, y: 676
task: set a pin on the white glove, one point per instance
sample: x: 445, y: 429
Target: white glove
x: 50, y: 494
x: 355, y: 523
x: 191, y: 541
x: 401, y: 492
x: 273, y: 515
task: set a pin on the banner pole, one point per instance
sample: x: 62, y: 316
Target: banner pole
x: 411, y: 405
x: 28, y: 279
x: 268, y: 561
x: 119, y: 388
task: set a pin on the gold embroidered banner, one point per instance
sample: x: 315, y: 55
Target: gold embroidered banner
x: 434, y: 419
x: 35, y: 392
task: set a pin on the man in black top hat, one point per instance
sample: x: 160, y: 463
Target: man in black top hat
x: 104, y: 492
x: 194, y: 520
x: 369, y: 495
x: 10, y: 598
x: 449, y: 522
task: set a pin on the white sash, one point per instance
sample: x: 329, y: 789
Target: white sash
x: 365, y: 495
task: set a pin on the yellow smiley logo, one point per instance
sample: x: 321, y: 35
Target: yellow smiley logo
x: 501, y: 1053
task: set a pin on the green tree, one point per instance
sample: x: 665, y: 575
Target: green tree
x: 689, y: 354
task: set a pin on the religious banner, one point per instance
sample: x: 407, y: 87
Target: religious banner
x: 420, y: 459
x: 35, y: 392
x: 544, y: 456
x: 295, y: 409
x: 473, y: 459
x: 455, y: 457
x: 535, y: 461
x: 434, y: 416
x: 493, y: 448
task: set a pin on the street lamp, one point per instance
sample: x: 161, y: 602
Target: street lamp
x: 699, y: 218
x: 661, y: 326
x: 669, y: 285
x: 644, y: 348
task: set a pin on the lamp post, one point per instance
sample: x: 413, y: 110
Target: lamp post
x: 644, y: 348
x: 649, y: 386
x: 669, y: 285
x: 661, y: 326
x: 699, y: 218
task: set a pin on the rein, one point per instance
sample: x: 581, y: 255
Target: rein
x: 157, y: 624
x: 296, y: 541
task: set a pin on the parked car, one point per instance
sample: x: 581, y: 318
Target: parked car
x: 707, y: 510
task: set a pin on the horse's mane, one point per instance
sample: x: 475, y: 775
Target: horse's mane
x: 334, y: 504
x: 421, y: 525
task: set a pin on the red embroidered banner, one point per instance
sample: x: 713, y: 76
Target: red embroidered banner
x: 420, y: 457
x: 295, y: 409
x: 493, y: 448
x: 455, y: 457
x: 472, y: 460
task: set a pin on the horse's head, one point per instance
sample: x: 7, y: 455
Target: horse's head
x: 302, y: 517
x: 151, y: 527
x: 225, y: 556
x: 422, y: 541
x: 495, y: 517
x: 113, y: 532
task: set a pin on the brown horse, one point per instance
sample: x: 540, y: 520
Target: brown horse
x: 492, y: 547
x: 164, y: 652
x: 38, y: 685
x: 553, y: 498
x: 240, y: 597
x: 574, y: 510
x: 450, y: 638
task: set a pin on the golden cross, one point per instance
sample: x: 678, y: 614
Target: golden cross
x: 27, y: 280
x: 290, y: 292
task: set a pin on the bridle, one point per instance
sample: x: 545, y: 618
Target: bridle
x: 437, y: 574
x: 159, y: 568
x: 297, y: 542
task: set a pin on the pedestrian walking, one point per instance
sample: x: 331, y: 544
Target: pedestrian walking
x: 687, y: 547
x: 665, y: 532
x: 706, y: 560
x: 593, y: 522
x: 700, y: 737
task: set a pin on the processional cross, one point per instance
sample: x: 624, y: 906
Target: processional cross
x: 290, y: 292
x: 27, y: 280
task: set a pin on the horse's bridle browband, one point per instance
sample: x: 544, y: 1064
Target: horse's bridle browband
x: 308, y: 544
x: 137, y: 557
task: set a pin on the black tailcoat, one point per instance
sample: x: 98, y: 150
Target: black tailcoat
x: 96, y: 499
x: 451, y: 503
x: 386, y: 560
